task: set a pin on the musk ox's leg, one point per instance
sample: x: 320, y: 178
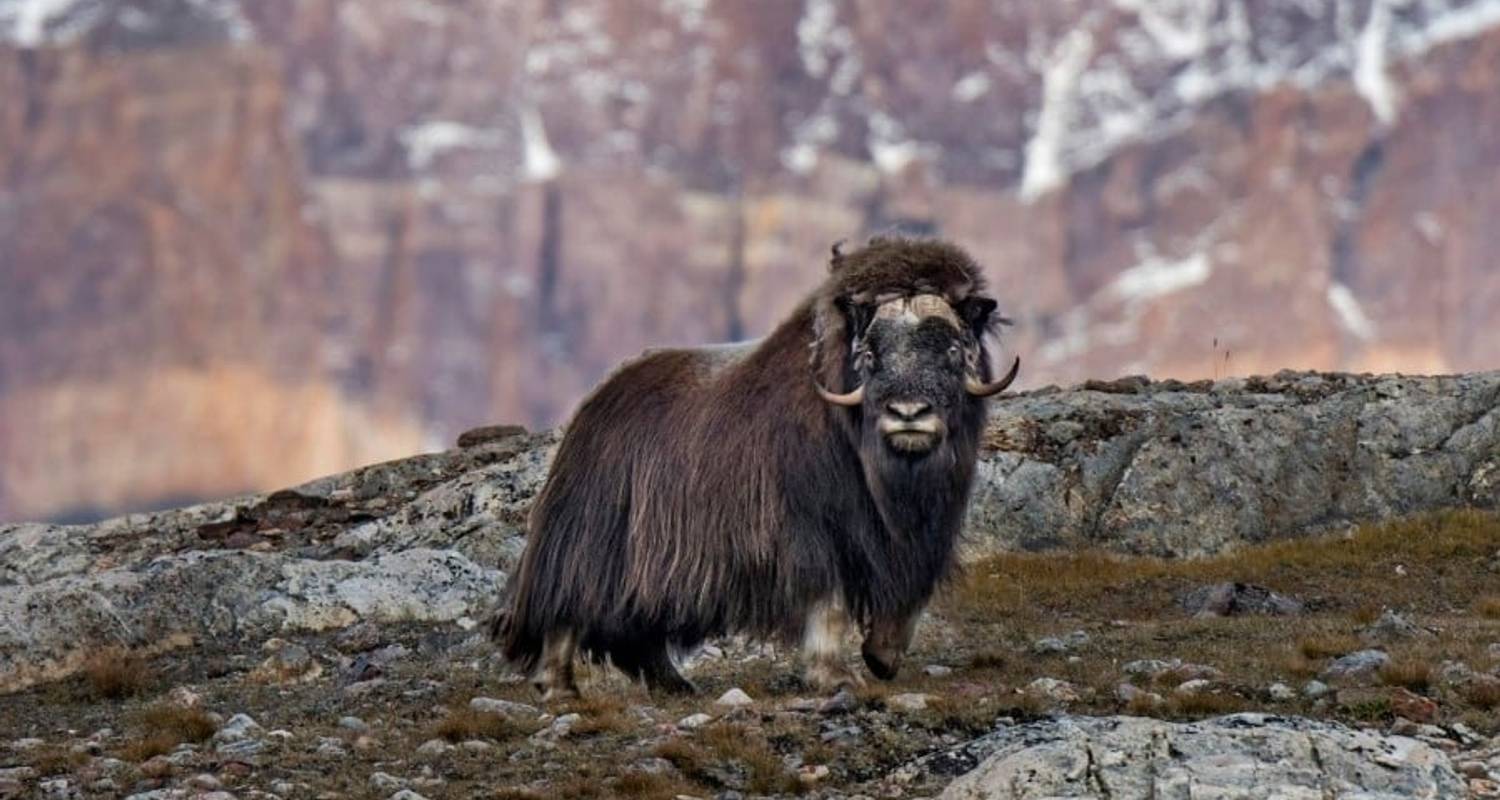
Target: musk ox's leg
x: 822, y: 639
x: 554, y: 678
x: 650, y: 661
x: 886, y: 641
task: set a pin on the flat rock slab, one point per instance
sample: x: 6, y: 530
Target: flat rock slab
x: 1249, y: 756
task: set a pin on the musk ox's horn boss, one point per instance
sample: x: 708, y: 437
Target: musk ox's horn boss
x: 742, y: 489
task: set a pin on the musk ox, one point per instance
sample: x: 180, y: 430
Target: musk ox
x: 786, y: 489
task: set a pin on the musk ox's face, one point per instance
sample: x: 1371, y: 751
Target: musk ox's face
x: 916, y: 364
x: 913, y: 374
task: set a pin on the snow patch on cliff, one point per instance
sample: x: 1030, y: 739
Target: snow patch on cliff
x: 541, y: 162
x: 1350, y: 313
x: 1044, y: 169
x: 426, y: 141
x: 1371, y: 77
x: 1155, y: 277
x: 25, y: 22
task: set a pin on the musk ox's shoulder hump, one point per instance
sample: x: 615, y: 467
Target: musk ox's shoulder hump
x: 706, y: 361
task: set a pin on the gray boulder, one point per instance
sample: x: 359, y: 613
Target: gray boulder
x: 1245, y: 756
x: 1178, y: 470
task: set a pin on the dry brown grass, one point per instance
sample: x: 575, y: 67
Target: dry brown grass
x: 652, y: 786
x: 463, y: 724
x: 516, y: 793
x: 146, y: 748
x: 1488, y: 607
x: 602, y: 714
x: 185, y: 724
x: 116, y: 673
x: 1205, y: 704
x: 988, y: 660
x: 1328, y: 645
x: 55, y: 760
x: 726, y: 743
x: 1413, y: 674
x: 1346, y: 570
x: 1483, y: 694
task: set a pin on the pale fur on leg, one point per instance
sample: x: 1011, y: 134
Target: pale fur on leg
x: 822, y: 641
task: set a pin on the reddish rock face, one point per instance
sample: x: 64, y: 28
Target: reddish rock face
x: 245, y: 243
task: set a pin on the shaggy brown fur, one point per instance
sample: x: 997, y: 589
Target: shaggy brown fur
x: 712, y: 491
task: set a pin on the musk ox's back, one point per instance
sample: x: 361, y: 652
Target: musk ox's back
x: 713, y: 490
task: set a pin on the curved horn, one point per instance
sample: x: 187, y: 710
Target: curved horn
x: 847, y: 399
x: 978, y: 389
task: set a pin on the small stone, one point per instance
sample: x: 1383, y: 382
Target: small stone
x: 476, y: 746
x: 157, y: 767
x: 505, y: 708
x: 841, y: 735
x: 1150, y: 667
x: 908, y: 702
x: 1412, y: 706
x: 841, y: 703
x: 560, y: 728
x: 239, y: 726
x: 330, y: 748
x: 288, y: 663
x: 1454, y: 673
x: 936, y: 670
x: 183, y: 697
x: 1193, y: 687
x: 489, y: 434
x: 433, y: 748
x: 1051, y: 690
x: 812, y: 774
x: 1238, y: 599
x: 1393, y: 627
x: 654, y: 766
x: 29, y: 743
x: 1055, y: 645
x: 734, y: 698
x: 353, y: 724
x: 694, y: 721
x: 1281, y: 693
x: 57, y: 787
x: 1473, y: 769
x: 1312, y: 690
x: 1361, y: 664
x: 1132, y: 695
x: 385, y: 782
x: 204, y: 782
x: 407, y: 794
x: 241, y: 748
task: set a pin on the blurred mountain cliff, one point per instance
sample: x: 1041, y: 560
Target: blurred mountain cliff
x: 247, y: 243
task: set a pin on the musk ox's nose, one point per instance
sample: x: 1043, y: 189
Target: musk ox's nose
x: 908, y: 410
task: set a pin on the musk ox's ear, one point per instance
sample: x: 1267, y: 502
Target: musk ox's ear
x: 978, y: 312
x: 836, y: 256
x: 857, y: 316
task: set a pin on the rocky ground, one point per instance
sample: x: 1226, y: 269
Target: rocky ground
x: 1024, y: 666
x: 325, y: 641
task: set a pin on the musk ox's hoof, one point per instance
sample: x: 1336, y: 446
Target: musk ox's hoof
x: 829, y: 678
x: 560, y: 694
x: 881, y: 669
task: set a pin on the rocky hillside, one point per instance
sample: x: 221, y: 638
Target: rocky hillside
x: 331, y: 230
x: 326, y: 640
x: 1163, y: 469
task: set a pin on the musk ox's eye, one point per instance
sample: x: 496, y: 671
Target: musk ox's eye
x: 955, y: 353
x: 864, y: 359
